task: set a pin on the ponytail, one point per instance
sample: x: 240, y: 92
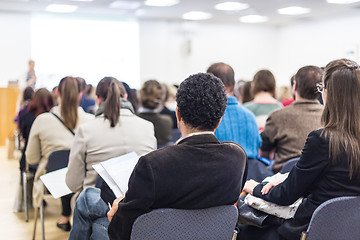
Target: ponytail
x: 69, y: 90
x: 112, y: 105
x: 109, y: 90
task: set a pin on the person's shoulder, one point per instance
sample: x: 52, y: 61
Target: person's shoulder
x: 159, y: 156
x: 84, y: 116
x: 246, y: 111
x: 318, y: 135
x: 141, y: 121
x: 44, y: 117
x: 166, y: 120
x: 282, y: 112
x: 233, y: 147
x: 248, y: 104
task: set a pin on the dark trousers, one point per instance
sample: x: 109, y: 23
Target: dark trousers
x: 247, y: 232
x: 65, y: 203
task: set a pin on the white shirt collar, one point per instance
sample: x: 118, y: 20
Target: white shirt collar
x: 193, y: 134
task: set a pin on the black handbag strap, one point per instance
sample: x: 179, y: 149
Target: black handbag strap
x: 72, y: 132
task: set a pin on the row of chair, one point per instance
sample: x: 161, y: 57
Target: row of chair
x: 334, y: 219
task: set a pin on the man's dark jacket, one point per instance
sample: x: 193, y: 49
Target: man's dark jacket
x: 199, y: 172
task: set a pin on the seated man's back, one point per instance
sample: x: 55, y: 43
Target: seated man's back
x: 199, y: 172
x: 287, y: 129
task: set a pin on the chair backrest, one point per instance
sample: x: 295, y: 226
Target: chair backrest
x: 216, y: 223
x: 289, y: 165
x: 58, y: 160
x: 337, y: 218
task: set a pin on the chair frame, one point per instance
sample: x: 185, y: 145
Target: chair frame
x: 50, y: 168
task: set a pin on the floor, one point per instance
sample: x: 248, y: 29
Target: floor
x: 13, y: 225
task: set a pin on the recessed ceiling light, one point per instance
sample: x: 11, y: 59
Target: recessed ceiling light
x: 253, y: 19
x: 342, y: 1
x: 196, y: 15
x: 125, y: 5
x: 293, y: 10
x: 61, y: 8
x: 231, y: 6
x: 161, y: 3
x: 82, y: 0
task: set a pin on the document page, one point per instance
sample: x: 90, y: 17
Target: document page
x: 116, y: 172
x: 55, y: 183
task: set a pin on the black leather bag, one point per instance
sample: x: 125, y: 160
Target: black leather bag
x: 254, y: 217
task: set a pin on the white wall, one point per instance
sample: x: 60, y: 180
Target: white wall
x: 165, y: 54
x: 14, y: 47
x: 316, y: 43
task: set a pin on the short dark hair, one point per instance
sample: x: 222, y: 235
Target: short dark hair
x: 306, y: 79
x: 201, y: 101
x: 264, y: 81
x: 224, y: 72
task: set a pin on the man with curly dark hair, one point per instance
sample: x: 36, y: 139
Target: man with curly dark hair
x: 201, y: 101
x: 197, y: 172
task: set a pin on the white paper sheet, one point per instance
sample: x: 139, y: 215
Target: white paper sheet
x: 116, y: 172
x: 108, y: 179
x: 55, y: 183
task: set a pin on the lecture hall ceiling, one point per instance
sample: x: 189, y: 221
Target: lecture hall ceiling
x: 266, y: 10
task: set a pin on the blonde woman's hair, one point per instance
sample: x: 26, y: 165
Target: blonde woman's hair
x: 69, y: 89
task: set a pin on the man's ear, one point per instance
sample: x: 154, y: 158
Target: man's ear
x: 218, y: 124
x: 178, y: 117
x: 294, y: 87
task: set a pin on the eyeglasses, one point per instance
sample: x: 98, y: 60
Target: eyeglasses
x: 320, y: 87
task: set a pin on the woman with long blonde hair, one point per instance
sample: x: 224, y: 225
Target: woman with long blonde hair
x: 51, y: 132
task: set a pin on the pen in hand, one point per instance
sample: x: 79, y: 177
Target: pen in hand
x: 109, y: 205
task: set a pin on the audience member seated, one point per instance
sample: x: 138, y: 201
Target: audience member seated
x: 329, y: 165
x: 151, y: 95
x: 54, y: 131
x: 238, y: 89
x: 286, y: 129
x: 131, y: 96
x: 263, y: 89
x: 169, y: 103
x: 88, y: 104
x: 287, y: 100
x: 198, y: 172
x: 238, y: 124
x: 42, y: 102
x: 246, y: 93
x: 114, y: 132
x: 27, y: 96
